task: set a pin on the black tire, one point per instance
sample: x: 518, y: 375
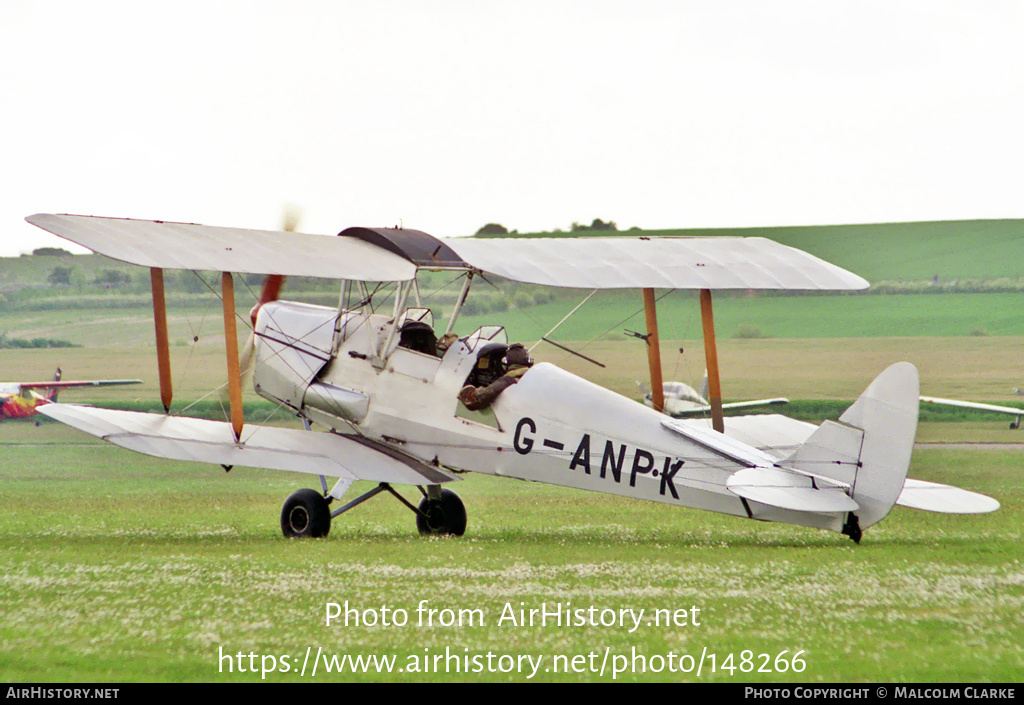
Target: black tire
x: 443, y: 517
x: 305, y: 514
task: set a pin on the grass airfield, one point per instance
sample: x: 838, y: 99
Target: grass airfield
x: 117, y: 567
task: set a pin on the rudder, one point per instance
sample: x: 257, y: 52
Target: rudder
x: 887, y: 413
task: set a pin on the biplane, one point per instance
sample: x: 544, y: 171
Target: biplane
x: 20, y: 400
x: 386, y: 397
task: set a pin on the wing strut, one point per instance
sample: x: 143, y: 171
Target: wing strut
x: 711, y: 355
x: 163, y: 353
x: 227, y: 285
x: 654, y: 351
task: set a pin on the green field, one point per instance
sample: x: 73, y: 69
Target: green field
x: 854, y: 316
x: 117, y: 567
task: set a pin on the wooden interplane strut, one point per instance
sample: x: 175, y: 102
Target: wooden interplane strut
x: 163, y: 353
x: 711, y: 356
x: 227, y: 285
x: 654, y: 351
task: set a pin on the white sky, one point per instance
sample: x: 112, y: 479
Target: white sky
x: 446, y: 115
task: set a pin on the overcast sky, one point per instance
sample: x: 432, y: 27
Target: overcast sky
x: 446, y: 115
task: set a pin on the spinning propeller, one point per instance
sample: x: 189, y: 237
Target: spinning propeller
x: 271, y: 291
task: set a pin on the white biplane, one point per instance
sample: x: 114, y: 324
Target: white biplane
x: 391, y: 409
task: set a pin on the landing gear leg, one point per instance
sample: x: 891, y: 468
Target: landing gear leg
x: 441, y: 512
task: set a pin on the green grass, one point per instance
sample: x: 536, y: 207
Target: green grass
x: 118, y: 567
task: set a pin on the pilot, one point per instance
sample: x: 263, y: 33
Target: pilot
x: 445, y: 342
x: 418, y: 336
x: 515, y: 362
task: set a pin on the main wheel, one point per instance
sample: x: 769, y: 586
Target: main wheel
x: 305, y: 513
x: 445, y: 516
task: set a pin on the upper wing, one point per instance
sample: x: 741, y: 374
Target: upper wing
x: 974, y: 405
x: 190, y: 246
x: 658, y: 262
x: 204, y: 441
x: 591, y: 263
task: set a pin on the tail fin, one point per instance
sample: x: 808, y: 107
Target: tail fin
x: 869, y: 448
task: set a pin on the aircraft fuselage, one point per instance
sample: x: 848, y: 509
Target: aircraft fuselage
x: 551, y: 426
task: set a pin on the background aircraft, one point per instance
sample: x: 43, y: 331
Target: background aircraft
x: 1012, y: 411
x: 20, y: 400
x: 683, y: 400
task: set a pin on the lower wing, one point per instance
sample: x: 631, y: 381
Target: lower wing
x: 204, y: 441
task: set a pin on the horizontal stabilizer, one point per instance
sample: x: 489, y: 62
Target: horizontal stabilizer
x: 777, y: 435
x: 204, y: 441
x: 719, y: 443
x: 933, y: 497
x: 788, y: 490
